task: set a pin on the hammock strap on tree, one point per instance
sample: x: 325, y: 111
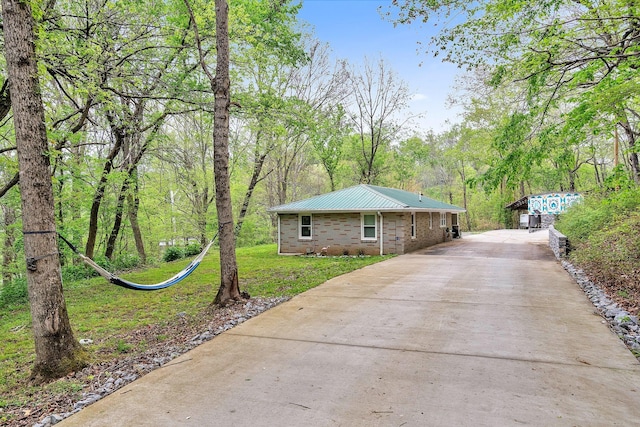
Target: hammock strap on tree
x: 138, y: 286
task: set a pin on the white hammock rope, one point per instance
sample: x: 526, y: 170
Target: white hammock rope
x: 139, y: 286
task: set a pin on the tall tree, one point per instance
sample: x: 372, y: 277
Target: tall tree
x: 557, y: 48
x: 220, y: 85
x: 57, y: 351
x: 328, y: 138
x: 190, y: 154
x: 378, y: 97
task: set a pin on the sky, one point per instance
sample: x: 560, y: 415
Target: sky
x: 355, y: 29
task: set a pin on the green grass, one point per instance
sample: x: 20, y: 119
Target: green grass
x: 106, y: 313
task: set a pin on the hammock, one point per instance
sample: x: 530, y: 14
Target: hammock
x: 138, y: 286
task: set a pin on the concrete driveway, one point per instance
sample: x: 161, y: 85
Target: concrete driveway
x: 484, y: 331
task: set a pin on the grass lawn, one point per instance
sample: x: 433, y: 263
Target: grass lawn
x: 107, y: 314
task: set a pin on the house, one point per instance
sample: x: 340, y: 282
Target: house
x: 540, y: 210
x: 364, y: 219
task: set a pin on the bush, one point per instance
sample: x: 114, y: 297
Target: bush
x: 597, y: 212
x: 611, y: 256
x: 105, y: 263
x: 77, y: 272
x: 14, y: 292
x: 192, y: 249
x: 126, y: 261
x: 173, y: 253
x: 603, y: 233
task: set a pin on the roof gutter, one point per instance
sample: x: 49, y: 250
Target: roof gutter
x: 330, y: 211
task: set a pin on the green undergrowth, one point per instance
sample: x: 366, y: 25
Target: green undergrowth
x: 604, y: 237
x: 105, y: 313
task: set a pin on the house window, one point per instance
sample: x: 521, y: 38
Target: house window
x: 430, y: 220
x: 443, y: 219
x: 369, y: 227
x: 413, y: 225
x: 454, y: 219
x: 305, y: 227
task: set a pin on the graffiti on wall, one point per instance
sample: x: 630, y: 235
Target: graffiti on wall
x: 552, y: 203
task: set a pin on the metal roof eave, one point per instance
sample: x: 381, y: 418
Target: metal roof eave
x: 387, y: 210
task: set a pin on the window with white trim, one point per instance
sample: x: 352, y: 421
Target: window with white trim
x: 443, y: 219
x: 305, y: 227
x: 369, y: 227
x: 430, y: 220
x: 413, y: 225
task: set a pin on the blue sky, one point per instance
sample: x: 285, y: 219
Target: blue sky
x: 355, y: 29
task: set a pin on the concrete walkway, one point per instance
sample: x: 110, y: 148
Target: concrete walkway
x: 484, y: 331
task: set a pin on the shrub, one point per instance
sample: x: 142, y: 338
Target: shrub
x: 105, y: 263
x: 192, y: 249
x: 126, y: 261
x: 612, y: 255
x: 77, y: 272
x: 603, y: 233
x: 14, y: 292
x: 173, y: 253
x: 597, y: 212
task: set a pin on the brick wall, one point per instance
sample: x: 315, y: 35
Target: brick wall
x: 341, y: 233
x: 425, y: 236
x: 337, y: 232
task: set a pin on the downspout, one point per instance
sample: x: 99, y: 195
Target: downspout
x: 381, y: 234
x: 279, y: 253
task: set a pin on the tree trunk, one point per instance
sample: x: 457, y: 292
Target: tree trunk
x: 633, y: 156
x: 8, y: 186
x: 8, y: 251
x: 57, y: 352
x: 133, y: 201
x: 597, y: 174
x: 117, y: 221
x: 463, y: 179
x: 255, y: 178
x: 5, y: 100
x: 60, y: 214
x: 229, y: 289
x: 98, y: 196
x: 572, y: 181
x: 201, y: 206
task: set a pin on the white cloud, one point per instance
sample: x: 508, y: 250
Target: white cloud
x: 418, y: 97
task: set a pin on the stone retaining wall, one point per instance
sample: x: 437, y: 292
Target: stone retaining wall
x: 557, y: 242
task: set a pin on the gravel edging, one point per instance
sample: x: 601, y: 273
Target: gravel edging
x: 114, y: 376
x: 621, y: 322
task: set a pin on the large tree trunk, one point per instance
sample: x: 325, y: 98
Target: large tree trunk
x: 220, y: 84
x: 229, y: 289
x: 57, y: 352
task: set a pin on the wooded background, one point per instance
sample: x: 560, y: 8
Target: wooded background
x: 549, y: 89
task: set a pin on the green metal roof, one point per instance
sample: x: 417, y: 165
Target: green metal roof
x: 366, y: 197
